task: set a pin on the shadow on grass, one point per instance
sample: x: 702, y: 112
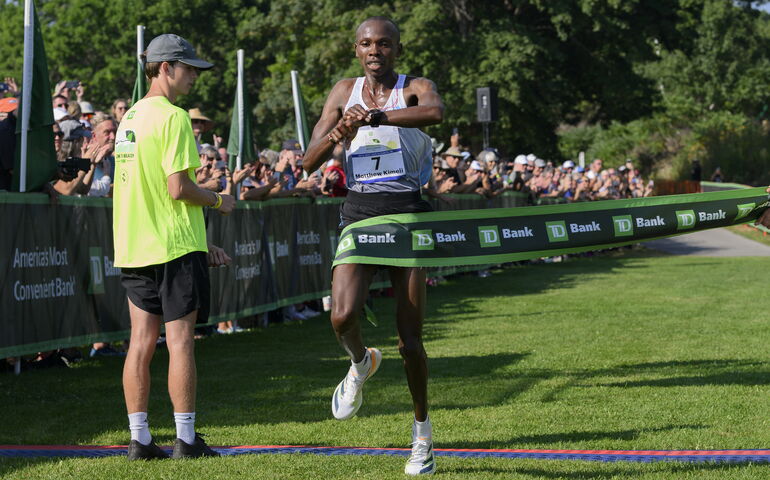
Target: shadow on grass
x: 287, y: 373
x: 603, y: 470
x: 697, y: 373
x: 548, y: 440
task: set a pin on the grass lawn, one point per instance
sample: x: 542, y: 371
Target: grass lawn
x: 625, y: 351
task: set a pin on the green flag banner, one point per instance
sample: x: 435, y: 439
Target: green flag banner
x: 472, y: 237
x: 240, y: 142
x: 140, y: 86
x: 40, y: 154
x: 299, y: 111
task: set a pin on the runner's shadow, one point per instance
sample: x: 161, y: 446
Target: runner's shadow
x: 301, y: 391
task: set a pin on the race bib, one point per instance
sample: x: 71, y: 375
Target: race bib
x: 375, y: 154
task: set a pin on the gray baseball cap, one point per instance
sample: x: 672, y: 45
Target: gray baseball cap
x: 173, y: 48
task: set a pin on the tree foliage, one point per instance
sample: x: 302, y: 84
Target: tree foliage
x: 555, y: 63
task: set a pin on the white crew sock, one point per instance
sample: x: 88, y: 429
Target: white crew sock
x: 362, y: 367
x: 423, y: 429
x: 185, y: 427
x: 140, y: 429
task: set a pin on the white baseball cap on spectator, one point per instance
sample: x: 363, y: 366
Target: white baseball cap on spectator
x: 488, y: 155
x: 531, y: 157
x: 540, y: 163
x: 568, y: 164
x: 476, y: 165
x: 520, y: 159
x: 86, y: 108
x: 60, y: 114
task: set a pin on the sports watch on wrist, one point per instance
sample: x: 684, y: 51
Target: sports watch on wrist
x: 376, y: 117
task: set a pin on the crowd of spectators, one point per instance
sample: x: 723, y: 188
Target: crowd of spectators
x: 81, y: 131
x: 488, y: 174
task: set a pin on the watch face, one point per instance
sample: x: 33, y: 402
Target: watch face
x: 376, y: 117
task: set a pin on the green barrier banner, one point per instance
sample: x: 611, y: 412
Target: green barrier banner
x: 472, y: 237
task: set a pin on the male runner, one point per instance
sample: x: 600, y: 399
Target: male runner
x: 387, y: 161
x: 160, y: 242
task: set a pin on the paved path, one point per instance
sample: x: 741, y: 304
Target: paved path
x: 711, y: 243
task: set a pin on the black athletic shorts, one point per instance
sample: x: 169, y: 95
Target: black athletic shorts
x: 360, y: 206
x: 172, y: 289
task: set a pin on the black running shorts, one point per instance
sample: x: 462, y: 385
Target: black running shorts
x: 172, y: 289
x: 360, y: 206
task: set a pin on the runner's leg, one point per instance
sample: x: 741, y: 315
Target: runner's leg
x: 409, y: 288
x: 350, y: 288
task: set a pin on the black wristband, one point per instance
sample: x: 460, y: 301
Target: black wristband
x: 376, y: 117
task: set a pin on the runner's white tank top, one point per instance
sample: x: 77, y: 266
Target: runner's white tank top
x: 415, y: 148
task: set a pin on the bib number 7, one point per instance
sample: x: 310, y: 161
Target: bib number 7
x: 377, y: 164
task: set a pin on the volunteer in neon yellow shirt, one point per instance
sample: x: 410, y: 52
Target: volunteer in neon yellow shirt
x: 150, y: 226
x: 160, y: 242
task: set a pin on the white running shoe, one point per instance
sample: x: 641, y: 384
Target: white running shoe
x: 421, y: 461
x: 347, y: 398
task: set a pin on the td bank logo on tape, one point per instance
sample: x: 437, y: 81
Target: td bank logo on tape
x: 422, y: 240
x: 744, y: 210
x: 557, y: 231
x: 685, y: 219
x: 489, y: 236
x: 624, y: 225
x: 346, y: 244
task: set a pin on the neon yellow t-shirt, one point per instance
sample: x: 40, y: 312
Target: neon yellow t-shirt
x: 154, y: 140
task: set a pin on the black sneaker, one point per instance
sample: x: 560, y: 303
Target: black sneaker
x: 198, y: 448
x: 138, y: 451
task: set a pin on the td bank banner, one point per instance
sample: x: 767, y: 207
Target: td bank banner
x: 472, y: 237
x: 60, y: 288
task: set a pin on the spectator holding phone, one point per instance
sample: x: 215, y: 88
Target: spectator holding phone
x: 285, y: 169
x: 9, y: 87
x: 258, y: 181
x: 78, y: 150
x: 211, y: 174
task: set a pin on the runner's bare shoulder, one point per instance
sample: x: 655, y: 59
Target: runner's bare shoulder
x: 416, y: 86
x: 338, y: 97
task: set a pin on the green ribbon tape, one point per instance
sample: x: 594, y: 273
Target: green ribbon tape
x: 497, y: 235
